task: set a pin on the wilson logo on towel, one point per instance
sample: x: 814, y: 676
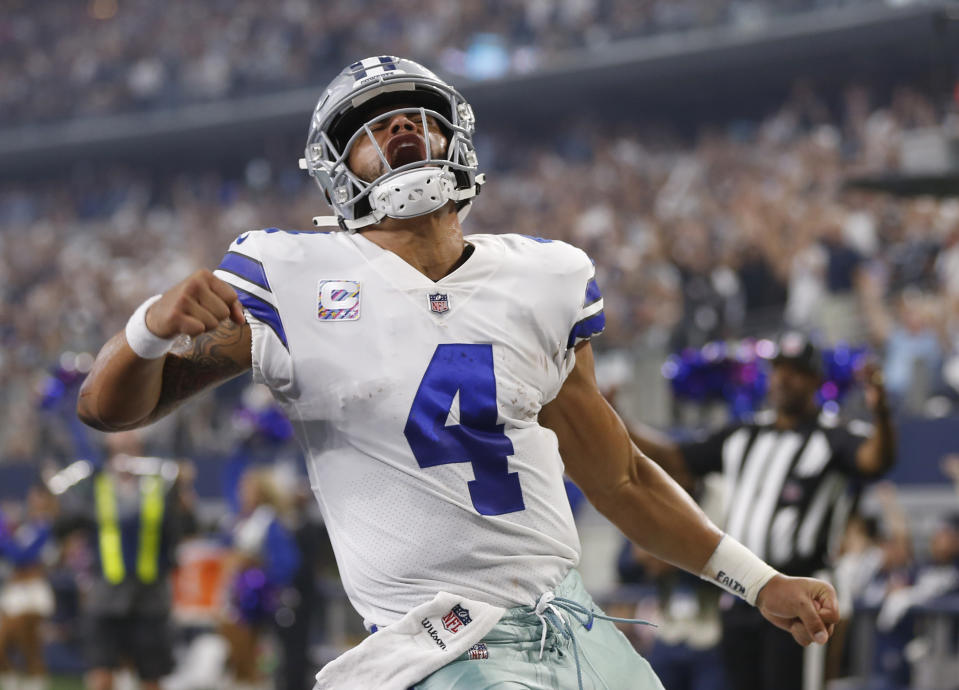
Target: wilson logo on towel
x: 431, y: 631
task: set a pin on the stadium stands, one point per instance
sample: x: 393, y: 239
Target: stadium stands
x: 111, y: 56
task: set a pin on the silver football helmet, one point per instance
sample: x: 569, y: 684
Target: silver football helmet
x: 344, y: 114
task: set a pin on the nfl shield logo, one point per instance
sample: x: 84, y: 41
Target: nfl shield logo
x: 439, y: 303
x: 478, y: 651
x: 456, y: 619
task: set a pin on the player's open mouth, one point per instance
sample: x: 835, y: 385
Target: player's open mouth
x: 405, y: 148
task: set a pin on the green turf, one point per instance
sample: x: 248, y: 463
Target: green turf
x: 65, y: 683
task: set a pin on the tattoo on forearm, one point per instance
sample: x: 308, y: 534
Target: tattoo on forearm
x: 198, y: 363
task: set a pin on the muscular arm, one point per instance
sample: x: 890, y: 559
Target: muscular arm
x: 653, y: 510
x: 624, y: 484
x: 124, y: 391
x: 663, y: 450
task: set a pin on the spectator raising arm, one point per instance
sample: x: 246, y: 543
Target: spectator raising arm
x: 877, y: 453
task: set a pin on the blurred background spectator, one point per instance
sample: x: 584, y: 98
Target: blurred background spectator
x: 263, y: 563
x: 26, y: 599
x: 128, y: 510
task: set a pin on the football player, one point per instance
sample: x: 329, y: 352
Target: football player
x: 439, y: 385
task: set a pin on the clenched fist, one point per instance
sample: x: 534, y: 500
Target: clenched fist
x: 193, y: 306
x: 802, y: 606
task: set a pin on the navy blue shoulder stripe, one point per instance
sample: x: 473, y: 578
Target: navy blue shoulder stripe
x: 593, y: 294
x: 587, y: 328
x: 273, y: 231
x: 243, y: 266
x: 264, y: 311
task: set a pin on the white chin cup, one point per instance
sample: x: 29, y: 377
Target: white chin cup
x: 413, y: 193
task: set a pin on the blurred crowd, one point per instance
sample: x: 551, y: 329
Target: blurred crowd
x: 164, y: 591
x: 741, y: 232
x: 61, y: 59
x: 752, y: 228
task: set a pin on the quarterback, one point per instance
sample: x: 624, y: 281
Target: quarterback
x: 440, y: 385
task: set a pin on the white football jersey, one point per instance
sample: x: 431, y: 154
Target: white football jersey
x: 416, y: 404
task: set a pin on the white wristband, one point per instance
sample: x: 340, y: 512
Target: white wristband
x: 738, y: 570
x: 141, y: 339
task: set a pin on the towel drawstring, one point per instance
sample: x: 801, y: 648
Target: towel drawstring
x: 552, y: 610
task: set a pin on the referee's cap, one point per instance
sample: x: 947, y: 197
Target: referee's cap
x: 798, y: 350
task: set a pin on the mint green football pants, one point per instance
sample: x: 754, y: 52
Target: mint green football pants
x: 607, y: 660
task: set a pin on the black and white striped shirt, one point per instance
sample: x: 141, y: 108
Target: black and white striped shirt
x: 789, y: 492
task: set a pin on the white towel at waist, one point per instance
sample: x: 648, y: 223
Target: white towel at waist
x: 424, y: 640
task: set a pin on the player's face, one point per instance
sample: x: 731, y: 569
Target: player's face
x: 792, y: 389
x: 402, y: 140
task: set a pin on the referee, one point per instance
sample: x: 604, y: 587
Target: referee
x: 792, y: 477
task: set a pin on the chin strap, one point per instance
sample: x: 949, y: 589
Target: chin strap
x: 408, y: 195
